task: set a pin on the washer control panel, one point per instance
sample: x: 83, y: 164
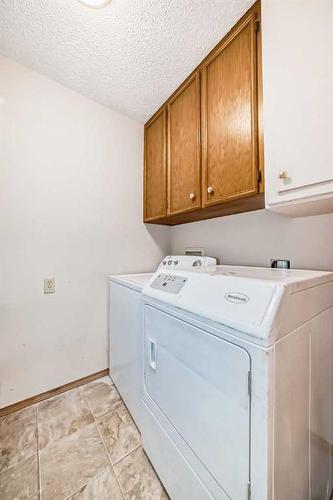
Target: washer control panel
x: 169, y: 283
x: 185, y: 262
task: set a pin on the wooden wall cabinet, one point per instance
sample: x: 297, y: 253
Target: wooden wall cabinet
x: 229, y: 118
x: 203, y: 148
x: 184, y: 155
x: 155, y: 164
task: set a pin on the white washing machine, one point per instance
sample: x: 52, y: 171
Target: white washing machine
x: 237, y: 398
x: 125, y: 338
x: 125, y: 329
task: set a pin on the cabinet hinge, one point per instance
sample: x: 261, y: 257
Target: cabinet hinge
x: 257, y: 24
x: 249, y: 490
x: 249, y: 383
x: 259, y: 176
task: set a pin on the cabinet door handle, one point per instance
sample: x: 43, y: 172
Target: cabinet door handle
x: 210, y: 190
x: 152, y: 354
x: 283, y: 174
x: 192, y: 196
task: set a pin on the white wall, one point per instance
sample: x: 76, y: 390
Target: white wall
x: 70, y: 208
x: 256, y: 237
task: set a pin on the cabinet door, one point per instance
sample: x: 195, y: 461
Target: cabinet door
x: 184, y: 182
x: 298, y: 103
x: 229, y: 117
x: 155, y: 168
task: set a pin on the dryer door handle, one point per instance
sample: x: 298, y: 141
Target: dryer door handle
x: 152, y: 354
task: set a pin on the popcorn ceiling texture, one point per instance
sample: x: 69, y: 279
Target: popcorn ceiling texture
x: 129, y: 56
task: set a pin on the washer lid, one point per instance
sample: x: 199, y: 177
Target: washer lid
x: 134, y: 281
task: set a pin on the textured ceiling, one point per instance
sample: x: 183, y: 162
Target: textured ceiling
x: 129, y: 56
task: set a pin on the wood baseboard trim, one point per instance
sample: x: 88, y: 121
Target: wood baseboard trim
x: 52, y: 392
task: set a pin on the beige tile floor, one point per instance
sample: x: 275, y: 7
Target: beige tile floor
x: 81, y: 445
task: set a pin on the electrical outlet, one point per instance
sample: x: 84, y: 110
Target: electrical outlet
x: 49, y: 285
x: 194, y: 251
x: 280, y: 263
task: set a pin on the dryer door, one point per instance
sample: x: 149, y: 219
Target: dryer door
x: 200, y: 383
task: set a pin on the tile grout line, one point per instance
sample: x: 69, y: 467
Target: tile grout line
x: 38, y: 453
x: 18, y: 463
x: 23, y: 459
x: 89, y: 480
x: 15, y: 421
x: 127, y: 454
x: 80, y: 389
x: 38, y: 460
x: 86, y: 484
x: 100, y: 434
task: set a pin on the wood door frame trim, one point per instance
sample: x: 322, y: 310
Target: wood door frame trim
x: 25, y: 403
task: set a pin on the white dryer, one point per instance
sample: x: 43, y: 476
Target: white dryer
x: 237, y: 393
